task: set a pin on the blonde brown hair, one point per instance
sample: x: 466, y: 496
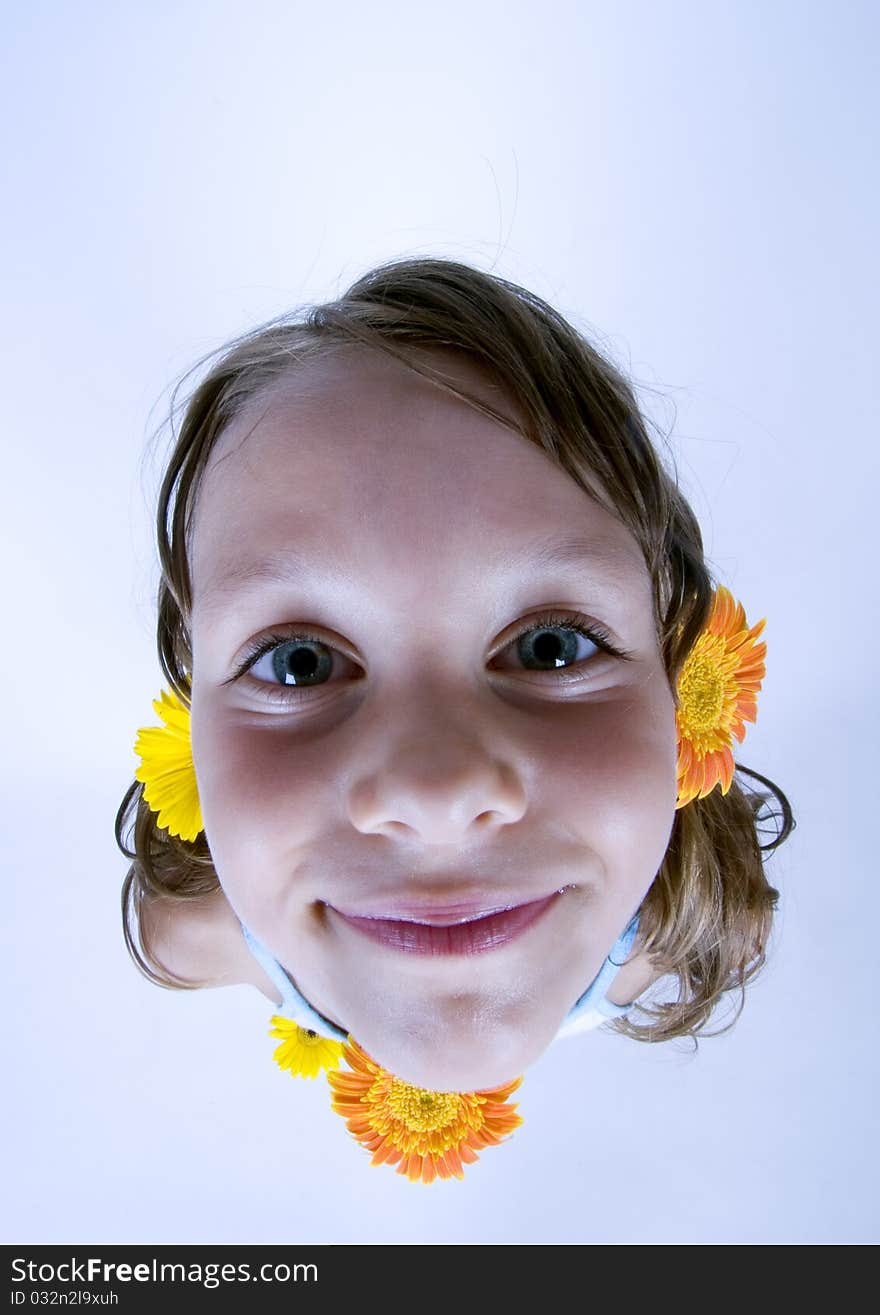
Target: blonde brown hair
x: 706, y: 919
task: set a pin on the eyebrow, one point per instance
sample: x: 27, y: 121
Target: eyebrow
x: 292, y: 565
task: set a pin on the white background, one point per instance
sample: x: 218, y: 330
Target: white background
x: 694, y: 185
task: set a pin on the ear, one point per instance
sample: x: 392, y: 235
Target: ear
x: 200, y: 941
x: 636, y: 975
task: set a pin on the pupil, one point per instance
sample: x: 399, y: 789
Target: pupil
x: 301, y: 662
x: 298, y: 662
x: 546, y: 647
x: 549, y: 648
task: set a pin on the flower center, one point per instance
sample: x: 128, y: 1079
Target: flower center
x: 701, y: 690
x: 421, y: 1110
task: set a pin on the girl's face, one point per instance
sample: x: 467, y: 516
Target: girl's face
x: 401, y: 763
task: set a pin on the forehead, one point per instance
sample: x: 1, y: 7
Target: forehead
x: 358, y: 456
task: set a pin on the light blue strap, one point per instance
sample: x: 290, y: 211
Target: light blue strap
x: 293, y: 1004
x: 582, y: 1015
x: 594, y: 1000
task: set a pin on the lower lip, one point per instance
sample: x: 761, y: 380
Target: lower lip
x: 461, y: 938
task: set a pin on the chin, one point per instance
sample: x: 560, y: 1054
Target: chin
x: 468, y: 1068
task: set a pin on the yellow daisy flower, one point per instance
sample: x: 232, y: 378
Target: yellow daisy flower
x: 717, y: 689
x: 303, y: 1052
x: 427, y: 1134
x: 167, y: 772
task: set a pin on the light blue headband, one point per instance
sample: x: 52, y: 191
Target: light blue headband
x: 592, y: 1007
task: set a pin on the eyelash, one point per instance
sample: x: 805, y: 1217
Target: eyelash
x: 596, y: 634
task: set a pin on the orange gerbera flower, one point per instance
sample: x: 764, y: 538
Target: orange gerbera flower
x: 717, y: 690
x: 427, y: 1134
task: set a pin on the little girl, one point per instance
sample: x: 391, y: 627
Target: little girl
x: 445, y: 769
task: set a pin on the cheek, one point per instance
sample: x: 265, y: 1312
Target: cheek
x: 613, y: 771
x: 262, y: 790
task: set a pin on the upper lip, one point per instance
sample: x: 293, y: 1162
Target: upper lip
x: 443, y: 910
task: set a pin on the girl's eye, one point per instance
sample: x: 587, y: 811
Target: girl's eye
x: 286, y: 667
x: 559, y: 640
x: 297, y: 662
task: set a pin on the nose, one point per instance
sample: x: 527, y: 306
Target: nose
x: 439, y: 776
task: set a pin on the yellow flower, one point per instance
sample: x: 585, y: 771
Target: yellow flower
x: 167, y: 772
x: 303, y: 1052
x: 717, y: 689
x: 427, y: 1134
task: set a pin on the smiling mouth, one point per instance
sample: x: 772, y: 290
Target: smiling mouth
x: 471, y: 936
